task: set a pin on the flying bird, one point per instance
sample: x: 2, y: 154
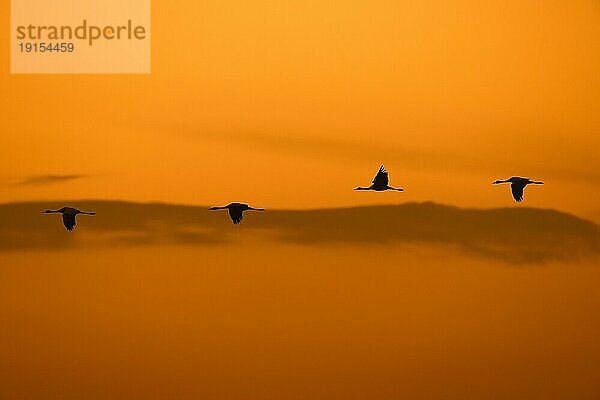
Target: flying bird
x: 236, y: 211
x: 68, y: 216
x: 380, y: 182
x: 517, y: 185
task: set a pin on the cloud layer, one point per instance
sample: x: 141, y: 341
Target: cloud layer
x: 515, y: 235
x: 39, y: 180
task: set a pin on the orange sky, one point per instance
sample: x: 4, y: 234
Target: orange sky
x: 196, y: 322
x: 293, y: 104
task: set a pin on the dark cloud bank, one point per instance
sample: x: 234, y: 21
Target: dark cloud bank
x: 39, y: 180
x: 516, y: 235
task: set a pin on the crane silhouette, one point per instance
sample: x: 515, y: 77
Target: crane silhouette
x: 380, y: 182
x: 517, y: 185
x: 236, y: 211
x: 68, y: 215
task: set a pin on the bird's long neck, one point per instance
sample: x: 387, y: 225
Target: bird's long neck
x: 87, y: 212
x: 536, y: 182
x: 218, y: 208
x: 256, y: 209
x: 362, y: 188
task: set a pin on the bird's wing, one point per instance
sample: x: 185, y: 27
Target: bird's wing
x: 381, y: 179
x: 517, y: 190
x: 236, y: 215
x: 69, y: 221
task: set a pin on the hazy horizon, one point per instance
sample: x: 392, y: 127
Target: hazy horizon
x: 514, y: 235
